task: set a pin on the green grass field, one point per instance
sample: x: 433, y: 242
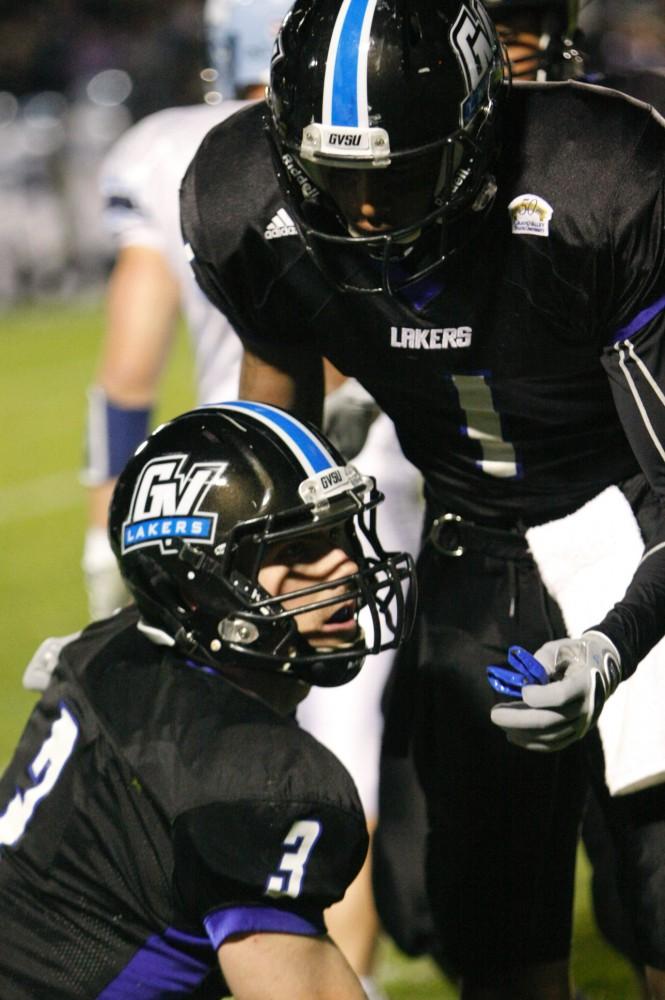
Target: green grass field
x: 47, y: 357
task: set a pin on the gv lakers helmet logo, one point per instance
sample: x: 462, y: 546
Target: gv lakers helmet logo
x: 168, y: 503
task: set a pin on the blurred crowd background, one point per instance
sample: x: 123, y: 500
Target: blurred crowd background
x: 74, y: 74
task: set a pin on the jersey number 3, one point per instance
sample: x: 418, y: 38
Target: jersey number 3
x: 44, y: 772
x: 298, y: 842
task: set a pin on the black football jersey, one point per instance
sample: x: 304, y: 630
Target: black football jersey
x: 526, y: 376
x: 152, y: 809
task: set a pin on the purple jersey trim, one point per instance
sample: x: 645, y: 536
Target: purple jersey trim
x: 262, y: 919
x: 204, y: 668
x: 169, y: 964
x: 422, y: 292
x: 640, y: 320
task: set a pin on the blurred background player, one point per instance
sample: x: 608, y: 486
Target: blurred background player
x: 164, y: 818
x: 571, y: 39
x: 541, y: 37
x: 150, y: 287
x: 74, y: 74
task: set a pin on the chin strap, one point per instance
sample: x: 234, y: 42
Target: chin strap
x: 156, y: 635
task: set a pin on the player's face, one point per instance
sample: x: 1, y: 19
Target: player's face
x: 380, y: 199
x: 311, y: 559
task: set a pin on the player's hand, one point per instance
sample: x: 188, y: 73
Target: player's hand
x: 348, y: 413
x: 104, y: 585
x: 582, y: 674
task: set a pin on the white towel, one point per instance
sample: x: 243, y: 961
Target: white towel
x: 587, y: 560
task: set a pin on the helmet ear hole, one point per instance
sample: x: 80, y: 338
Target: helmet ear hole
x: 153, y: 579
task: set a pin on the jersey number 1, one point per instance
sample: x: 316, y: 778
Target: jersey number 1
x: 483, y: 424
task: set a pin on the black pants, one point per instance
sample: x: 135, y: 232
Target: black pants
x: 624, y: 837
x: 503, y: 822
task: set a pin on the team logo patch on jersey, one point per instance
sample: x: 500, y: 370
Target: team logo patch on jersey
x: 437, y: 339
x: 530, y: 215
x: 280, y: 225
x: 167, y: 504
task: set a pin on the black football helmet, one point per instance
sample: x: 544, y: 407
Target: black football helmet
x: 382, y: 118
x: 558, y: 55
x: 194, y: 512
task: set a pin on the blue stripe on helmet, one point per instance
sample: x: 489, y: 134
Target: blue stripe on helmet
x: 344, y: 107
x: 304, y: 444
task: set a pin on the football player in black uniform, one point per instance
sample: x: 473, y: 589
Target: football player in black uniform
x: 541, y: 43
x: 615, y: 829
x: 488, y: 262
x: 167, y: 830
x: 535, y: 36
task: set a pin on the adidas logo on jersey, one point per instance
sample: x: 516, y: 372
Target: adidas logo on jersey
x: 280, y: 225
